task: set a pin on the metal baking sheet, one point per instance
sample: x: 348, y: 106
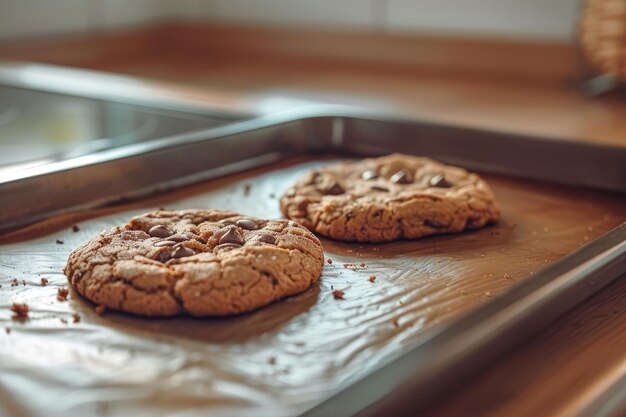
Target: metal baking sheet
x: 293, y: 355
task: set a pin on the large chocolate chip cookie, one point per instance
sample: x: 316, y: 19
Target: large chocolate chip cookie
x: 389, y: 198
x: 201, y: 262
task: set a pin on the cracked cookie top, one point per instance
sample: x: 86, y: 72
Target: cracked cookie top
x: 388, y: 198
x: 202, y: 262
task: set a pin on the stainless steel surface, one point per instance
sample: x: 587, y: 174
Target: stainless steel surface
x: 448, y: 354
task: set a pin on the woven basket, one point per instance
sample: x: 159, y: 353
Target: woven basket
x: 602, y: 34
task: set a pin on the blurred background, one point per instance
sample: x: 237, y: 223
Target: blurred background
x: 543, y: 19
x: 539, y: 67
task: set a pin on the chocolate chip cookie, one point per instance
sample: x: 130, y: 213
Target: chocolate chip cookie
x: 201, y: 262
x: 389, y: 198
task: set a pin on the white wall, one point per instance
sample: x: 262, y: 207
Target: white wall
x: 548, y: 19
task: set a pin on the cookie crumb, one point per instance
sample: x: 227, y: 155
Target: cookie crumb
x: 338, y: 294
x: 330, y: 261
x: 23, y: 282
x: 62, y: 294
x: 487, y: 293
x: 272, y: 360
x: 100, y: 310
x: 64, y: 321
x: 44, y: 281
x: 372, y: 278
x: 362, y: 265
x: 15, y: 282
x: 59, y: 242
x: 75, y: 317
x: 7, y: 330
x: 75, y: 228
x: 20, y: 311
x: 246, y: 189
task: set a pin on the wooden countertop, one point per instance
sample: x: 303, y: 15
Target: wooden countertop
x: 508, y: 86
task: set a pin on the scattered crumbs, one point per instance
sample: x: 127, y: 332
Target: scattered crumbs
x: 44, y: 281
x: 272, y: 360
x: 395, y: 322
x: 372, y: 278
x: 246, y: 189
x: 100, y: 310
x: 7, y: 330
x: 75, y: 228
x: 507, y: 276
x: 64, y: 321
x: 59, y: 242
x: 14, y: 283
x: 330, y: 261
x: 375, y: 249
x: 487, y: 293
x: 545, y: 261
x: 23, y: 282
x: 338, y: 294
x: 349, y: 251
x: 62, y: 294
x: 75, y: 317
x: 20, y: 311
x: 494, y: 233
x: 362, y: 265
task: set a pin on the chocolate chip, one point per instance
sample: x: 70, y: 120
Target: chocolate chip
x: 232, y: 235
x: 178, y: 238
x: 401, y: 177
x: 182, y: 252
x: 369, y: 175
x: 434, y: 224
x: 224, y: 247
x: 440, y: 181
x: 266, y: 238
x: 160, y: 231
x: 379, y: 188
x: 247, y: 224
x: 165, y: 243
x: 164, y: 256
x: 335, y: 190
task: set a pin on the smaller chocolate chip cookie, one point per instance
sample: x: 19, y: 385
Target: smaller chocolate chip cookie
x: 201, y: 262
x: 389, y: 198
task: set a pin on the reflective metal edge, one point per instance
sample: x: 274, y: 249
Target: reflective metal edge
x: 122, y: 89
x: 452, y: 353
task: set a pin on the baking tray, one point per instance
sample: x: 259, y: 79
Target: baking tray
x: 440, y: 309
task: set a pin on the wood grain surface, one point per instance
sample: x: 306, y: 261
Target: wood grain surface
x: 515, y: 86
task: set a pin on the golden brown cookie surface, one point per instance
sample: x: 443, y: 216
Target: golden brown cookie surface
x: 201, y: 262
x: 390, y: 198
